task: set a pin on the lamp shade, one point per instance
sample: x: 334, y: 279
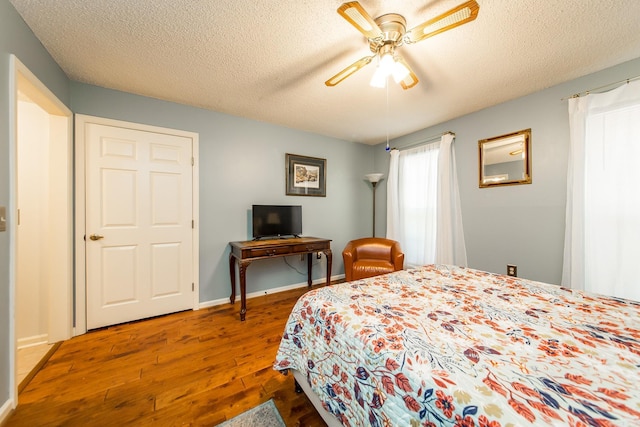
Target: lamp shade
x: 399, y: 72
x: 379, y: 79
x: 374, y: 177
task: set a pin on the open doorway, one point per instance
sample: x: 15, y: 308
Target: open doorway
x: 40, y: 214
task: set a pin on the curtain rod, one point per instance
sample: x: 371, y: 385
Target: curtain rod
x: 424, y: 141
x: 587, y: 92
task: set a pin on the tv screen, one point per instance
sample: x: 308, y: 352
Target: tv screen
x: 276, y: 221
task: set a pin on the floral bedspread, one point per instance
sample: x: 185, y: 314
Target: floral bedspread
x: 449, y: 346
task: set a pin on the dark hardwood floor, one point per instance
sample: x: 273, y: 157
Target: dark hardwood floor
x: 194, y: 368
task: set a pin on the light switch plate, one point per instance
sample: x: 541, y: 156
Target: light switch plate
x: 3, y: 218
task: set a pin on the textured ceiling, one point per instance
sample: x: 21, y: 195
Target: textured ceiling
x: 268, y: 60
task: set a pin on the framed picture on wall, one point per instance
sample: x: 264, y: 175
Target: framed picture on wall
x: 306, y: 176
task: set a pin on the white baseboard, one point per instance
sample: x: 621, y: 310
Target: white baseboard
x: 6, y: 410
x: 33, y: 340
x: 221, y: 301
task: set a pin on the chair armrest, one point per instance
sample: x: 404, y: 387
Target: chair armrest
x: 348, y: 256
x: 397, y: 257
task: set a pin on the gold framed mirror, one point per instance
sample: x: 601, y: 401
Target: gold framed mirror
x: 505, y: 159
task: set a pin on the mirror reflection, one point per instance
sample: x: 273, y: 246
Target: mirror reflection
x: 505, y: 159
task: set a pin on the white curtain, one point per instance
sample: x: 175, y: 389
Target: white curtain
x: 450, y: 247
x: 602, y: 235
x: 423, y: 204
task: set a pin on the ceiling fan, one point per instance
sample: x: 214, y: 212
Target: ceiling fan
x: 387, y: 32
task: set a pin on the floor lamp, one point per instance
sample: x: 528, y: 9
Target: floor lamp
x: 374, y: 178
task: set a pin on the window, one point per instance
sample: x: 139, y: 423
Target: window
x: 603, y: 207
x: 423, y: 206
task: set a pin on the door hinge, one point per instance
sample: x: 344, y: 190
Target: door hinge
x: 193, y: 161
x: 193, y: 287
x: 193, y: 223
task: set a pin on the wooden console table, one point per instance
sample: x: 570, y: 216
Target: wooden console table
x: 248, y: 251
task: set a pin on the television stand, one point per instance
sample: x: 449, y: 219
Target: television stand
x: 245, y: 252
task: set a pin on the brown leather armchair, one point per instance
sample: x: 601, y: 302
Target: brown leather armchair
x: 371, y: 256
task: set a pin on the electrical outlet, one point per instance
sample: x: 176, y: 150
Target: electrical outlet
x: 512, y: 270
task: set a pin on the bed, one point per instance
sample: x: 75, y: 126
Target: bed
x: 449, y: 346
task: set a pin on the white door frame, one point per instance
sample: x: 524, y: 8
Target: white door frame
x: 60, y: 270
x: 81, y: 121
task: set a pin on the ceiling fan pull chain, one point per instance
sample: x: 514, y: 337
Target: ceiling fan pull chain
x: 386, y: 148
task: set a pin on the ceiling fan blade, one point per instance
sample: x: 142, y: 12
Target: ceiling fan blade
x: 459, y: 15
x: 359, y: 18
x: 411, y: 79
x: 349, y: 70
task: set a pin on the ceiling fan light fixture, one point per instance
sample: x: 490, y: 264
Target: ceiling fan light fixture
x: 399, y: 72
x: 386, y: 64
x: 379, y: 79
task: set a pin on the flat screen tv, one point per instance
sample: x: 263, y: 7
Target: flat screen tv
x: 276, y: 221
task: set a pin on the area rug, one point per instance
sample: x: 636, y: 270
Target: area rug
x: 264, y: 415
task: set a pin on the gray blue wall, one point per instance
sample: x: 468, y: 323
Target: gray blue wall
x: 242, y: 162
x: 521, y: 224
x: 16, y: 38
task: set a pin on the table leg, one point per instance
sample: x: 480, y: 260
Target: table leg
x: 232, y: 274
x: 309, y: 264
x: 243, y: 288
x: 327, y: 253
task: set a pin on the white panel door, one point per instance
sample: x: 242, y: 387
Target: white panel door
x: 138, y: 224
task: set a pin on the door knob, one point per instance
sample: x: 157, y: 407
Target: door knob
x: 96, y: 237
